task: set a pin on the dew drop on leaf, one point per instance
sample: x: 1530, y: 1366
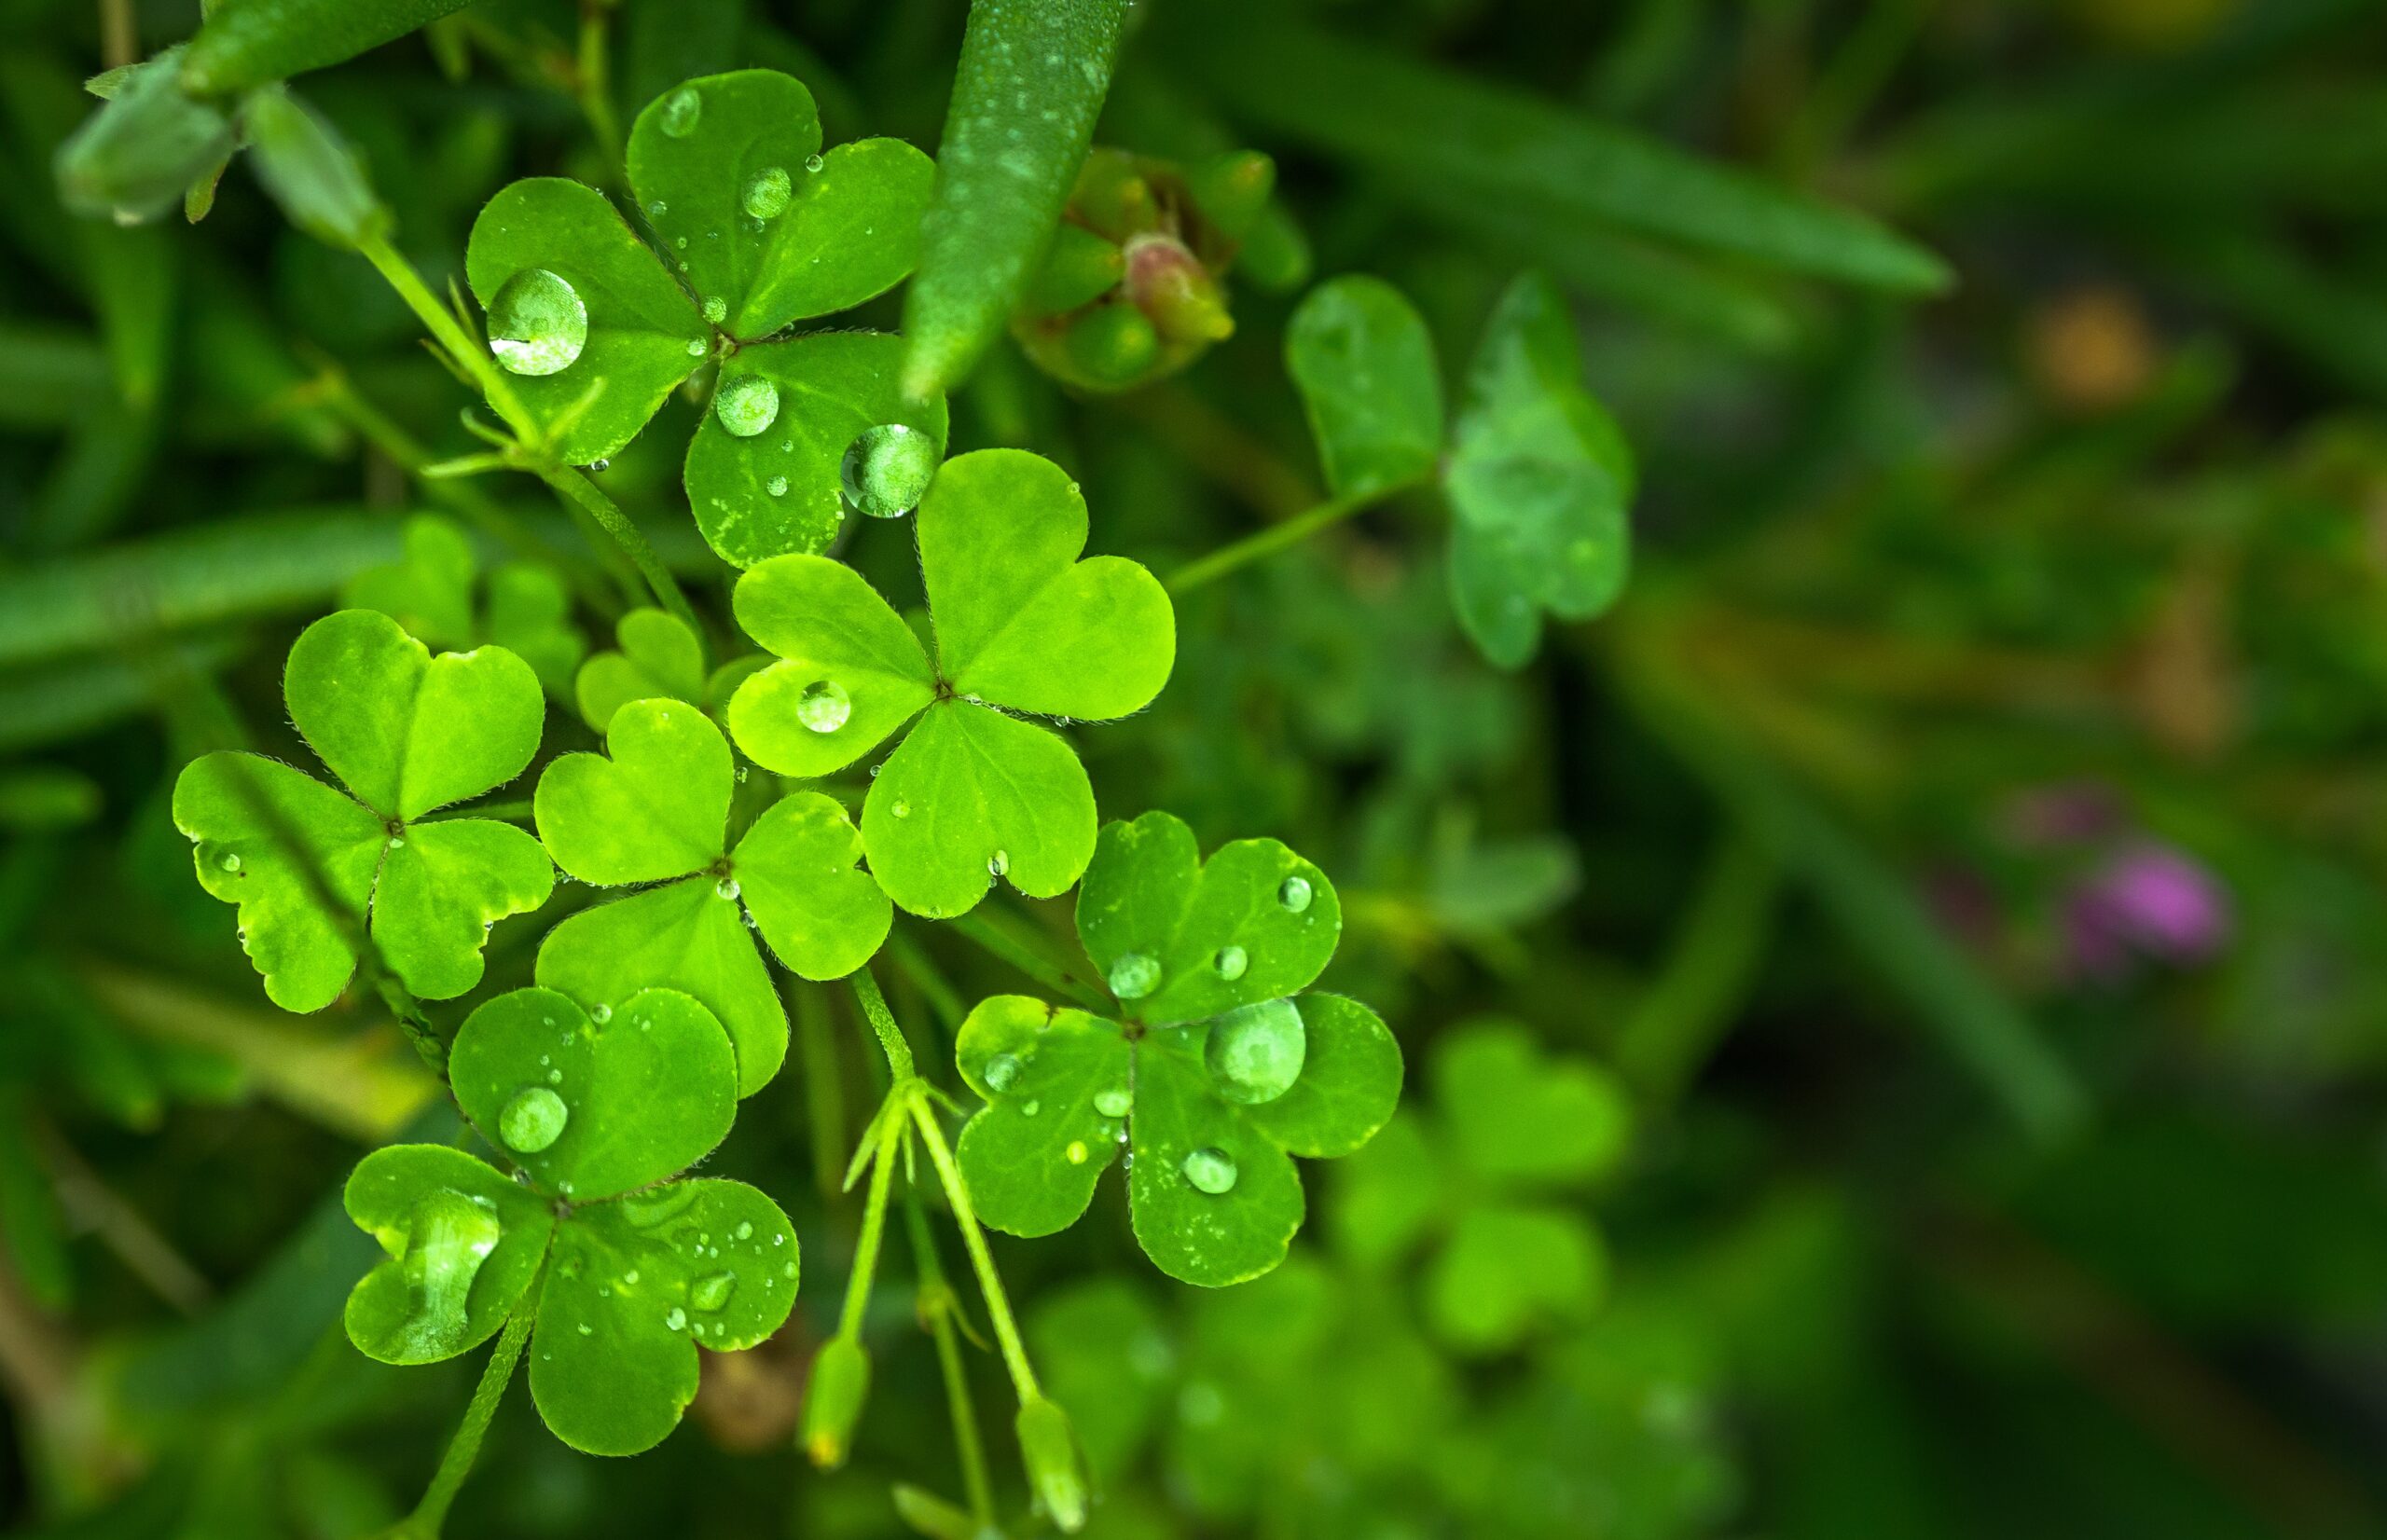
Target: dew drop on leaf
x: 1030, y: 1107
x: 1134, y: 975
x: 230, y: 861
x: 716, y: 310
x: 695, y: 348
x: 768, y: 192
x: 537, y: 324
x: 447, y: 1238
x: 712, y: 1291
x: 532, y: 1121
x: 1255, y: 1051
x: 824, y: 705
x: 681, y: 110
x: 813, y: 162
x: 677, y: 1320
x: 1002, y: 1072
x: 1113, y: 1101
x: 745, y: 1231
x: 777, y: 486
x: 902, y: 809
x: 726, y: 888
x: 999, y: 864
x: 1211, y: 1170
x: 1230, y: 962
x: 1076, y: 1152
x: 602, y: 1015
x: 747, y: 406
x: 887, y: 470
x: 1294, y: 894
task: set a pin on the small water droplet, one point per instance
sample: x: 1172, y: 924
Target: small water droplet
x: 681, y: 110
x: 813, y: 162
x: 712, y: 1291
x: 695, y: 348
x: 1134, y: 975
x: 657, y: 209
x: 747, y: 406
x: 1230, y: 962
x: 745, y: 1231
x: 1030, y: 1107
x: 555, y: 1076
x: 1002, y: 1072
x: 824, y: 705
x: 726, y: 888
x: 230, y: 861
x: 1076, y: 1152
x: 1255, y: 1051
x: 716, y: 310
x: 902, y: 809
x: 602, y: 1015
x: 887, y: 470
x: 768, y: 192
x: 534, y: 1119
x: 1211, y: 1170
x: 999, y: 864
x: 677, y: 1320
x: 1113, y: 1101
x: 537, y: 324
x: 777, y: 486
x: 1294, y: 894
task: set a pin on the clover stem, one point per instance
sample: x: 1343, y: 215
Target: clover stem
x: 457, y: 1463
x: 936, y: 1308
x: 462, y: 351
x: 990, y: 1284
x: 1276, y: 537
x: 582, y: 494
x: 882, y: 1021
x: 1029, y: 951
x: 873, y: 1229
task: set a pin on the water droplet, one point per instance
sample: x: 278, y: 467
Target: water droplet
x: 537, y: 324
x: 813, y: 162
x: 886, y: 469
x: 1134, y: 975
x: 695, y: 348
x: 712, y: 1291
x: 657, y: 209
x: 768, y: 192
x: 1002, y: 1072
x: 681, y: 110
x: 1076, y: 1152
x: 777, y: 486
x: 999, y: 864
x: 824, y: 705
x: 534, y: 1119
x: 630, y: 1277
x: 1113, y: 1101
x: 747, y: 406
x: 397, y: 842
x: 447, y: 1238
x: 726, y: 888
x: 716, y: 310
x: 1255, y: 1052
x: 602, y: 1015
x: 1211, y: 1169
x: 1294, y: 894
x: 587, y: 1330
x: 677, y: 1320
x: 1030, y: 1107
x: 230, y: 861
x: 601, y: 464
x: 1230, y: 962
x: 902, y: 809
x: 745, y: 1231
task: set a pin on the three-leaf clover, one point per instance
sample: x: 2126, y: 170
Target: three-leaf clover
x: 1516, y: 1130
x: 658, y: 658
x: 429, y: 591
x: 633, y: 1270
x: 752, y: 230
x: 1021, y: 626
x: 657, y: 812
x: 1211, y: 1076
x: 313, y: 869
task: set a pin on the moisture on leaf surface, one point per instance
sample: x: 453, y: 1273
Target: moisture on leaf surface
x: 656, y: 813
x: 1022, y: 626
x: 407, y: 733
x: 1187, y: 1078
x: 633, y: 1270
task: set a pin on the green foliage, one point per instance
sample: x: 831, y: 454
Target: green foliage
x: 524, y: 608
x: 633, y: 1272
x: 1364, y: 362
x: 247, y: 42
x: 1210, y: 1076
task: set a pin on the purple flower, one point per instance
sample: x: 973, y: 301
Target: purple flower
x: 2145, y: 900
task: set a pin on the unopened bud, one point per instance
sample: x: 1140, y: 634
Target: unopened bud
x: 1113, y: 344
x: 310, y: 171
x: 1049, y: 1447
x: 1080, y: 268
x: 1231, y: 190
x: 833, y: 1402
x: 1113, y: 195
x: 1169, y: 284
x: 135, y: 157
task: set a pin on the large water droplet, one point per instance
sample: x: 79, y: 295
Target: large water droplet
x: 1134, y: 975
x: 1255, y: 1051
x: 1002, y: 1072
x: 1230, y: 962
x: 537, y: 324
x: 1294, y: 894
x: 712, y: 1291
x: 1113, y: 1101
x: 887, y: 470
x: 768, y: 192
x: 824, y: 705
x: 725, y: 888
x: 681, y: 110
x: 447, y: 1238
x: 532, y: 1121
x: 1211, y: 1169
x: 999, y: 864
x: 747, y: 406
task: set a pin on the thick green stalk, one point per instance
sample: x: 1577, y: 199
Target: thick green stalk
x: 457, y: 1463
x: 882, y: 1021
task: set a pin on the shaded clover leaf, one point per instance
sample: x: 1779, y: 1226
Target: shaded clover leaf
x: 1516, y: 1130
x: 1364, y: 364
x: 1539, y: 481
x: 429, y: 591
x: 752, y: 230
x: 657, y: 812
x: 1021, y: 624
x: 1210, y: 1075
x: 633, y: 1270
x: 659, y: 658
x: 314, y: 870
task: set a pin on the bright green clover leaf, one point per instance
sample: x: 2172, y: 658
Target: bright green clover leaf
x: 633, y: 1271
x: 656, y: 811
x: 1211, y: 1076
x: 1364, y: 364
x: 660, y: 659
x: 1514, y: 1130
x: 429, y: 591
x: 1539, y: 481
x: 407, y: 733
x: 1021, y: 624
x: 752, y: 230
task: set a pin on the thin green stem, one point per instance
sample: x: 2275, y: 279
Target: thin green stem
x: 1031, y: 952
x: 462, y: 351
x: 457, y: 1463
x: 937, y: 1305
x: 882, y: 1021
x: 990, y: 1284
x: 1275, y: 538
x: 580, y: 492
x: 874, y: 1228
